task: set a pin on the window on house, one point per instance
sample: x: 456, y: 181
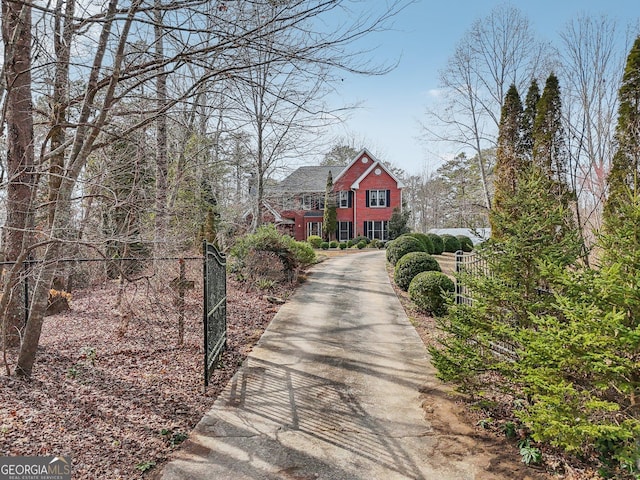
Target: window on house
x: 345, y: 231
x: 312, y: 201
x: 314, y: 228
x: 343, y: 199
x: 378, y: 198
x: 379, y: 230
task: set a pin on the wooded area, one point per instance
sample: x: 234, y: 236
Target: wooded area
x: 136, y: 128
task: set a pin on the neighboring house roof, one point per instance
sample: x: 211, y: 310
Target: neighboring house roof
x: 306, y: 179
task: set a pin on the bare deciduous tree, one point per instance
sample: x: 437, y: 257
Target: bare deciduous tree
x: 109, y: 84
x: 592, y: 65
x: 498, y: 50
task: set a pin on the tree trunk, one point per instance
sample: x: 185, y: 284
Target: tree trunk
x: 161, y: 135
x: 33, y: 328
x: 16, y: 35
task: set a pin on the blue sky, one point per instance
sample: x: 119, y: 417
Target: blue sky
x: 424, y: 36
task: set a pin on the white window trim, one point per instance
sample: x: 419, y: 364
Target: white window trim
x: 376, y: 194
x: 311, y: 231
x: 383, y: 231
x: 343, y: 197
x: 344, y: 238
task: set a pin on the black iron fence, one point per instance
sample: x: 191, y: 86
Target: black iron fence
x: 215, y: 307
x: 148, y: 288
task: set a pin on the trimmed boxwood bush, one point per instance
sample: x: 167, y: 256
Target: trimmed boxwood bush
x: 451, y: 243
x: 361, y: 238
x: 425, y: 240
x: 438, y: 244
x: 333, y: 244
x: 361, y: 244
x: 427, y: 290
x: 324, y: 245
x: 343, y: 245
x: 412, y: 264
x: 398, y: 248
x: 315, y: 241
x: 466, y: 244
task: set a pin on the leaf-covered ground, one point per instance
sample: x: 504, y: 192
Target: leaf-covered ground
x: 119, y: 404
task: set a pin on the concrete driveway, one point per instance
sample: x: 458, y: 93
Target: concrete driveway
x: 335, y: 389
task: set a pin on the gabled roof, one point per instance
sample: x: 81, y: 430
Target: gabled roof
x: 307, y: 179
x: 355, y: 159
x: 310, y: 179
x: 355, y: 185
x: 374, y: 163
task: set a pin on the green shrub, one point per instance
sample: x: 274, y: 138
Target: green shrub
x: 438, y: 244
x: 361, y: 244
x: 333, y: 244
x: 375, y: 243
x: 315, y: 241
x: 402, y: 245
x: 412, y: 264
x: 361, y: 238
x: 324, y: 245
x: 303, y: 253
x: 425, y: 240
x: 350, y: 243
x: 268, y: 242
x: 428, y: 291
x: 466, y: 245
x: 343, y: 245
x: 451, y: 243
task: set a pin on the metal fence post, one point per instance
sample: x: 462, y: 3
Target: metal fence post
x: 459, y: 255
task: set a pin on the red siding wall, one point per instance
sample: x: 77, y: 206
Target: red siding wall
x: 351, y: 175
x: 371, y: 182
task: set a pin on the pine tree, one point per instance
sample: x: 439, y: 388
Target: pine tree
x: 507, y: 155
x: 623, y: 176
x: 528, y: 119
x: 580, y: 366
x: 398, y: 223
x: 329, y: 222
x: 506, y: 290
x: 549, y: 146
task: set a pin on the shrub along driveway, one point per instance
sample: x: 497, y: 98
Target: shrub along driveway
x: 340, y: 387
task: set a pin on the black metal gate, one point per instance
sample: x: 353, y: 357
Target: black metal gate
x: 215, y: 307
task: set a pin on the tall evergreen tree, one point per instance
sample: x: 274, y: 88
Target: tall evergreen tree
x: 329, y: 222
x: 623, y: 176
x: 508, y: 154
x: 549, y: 145
x: 528, y: 119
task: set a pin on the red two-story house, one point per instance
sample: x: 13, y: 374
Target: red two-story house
x: 366, y: 193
